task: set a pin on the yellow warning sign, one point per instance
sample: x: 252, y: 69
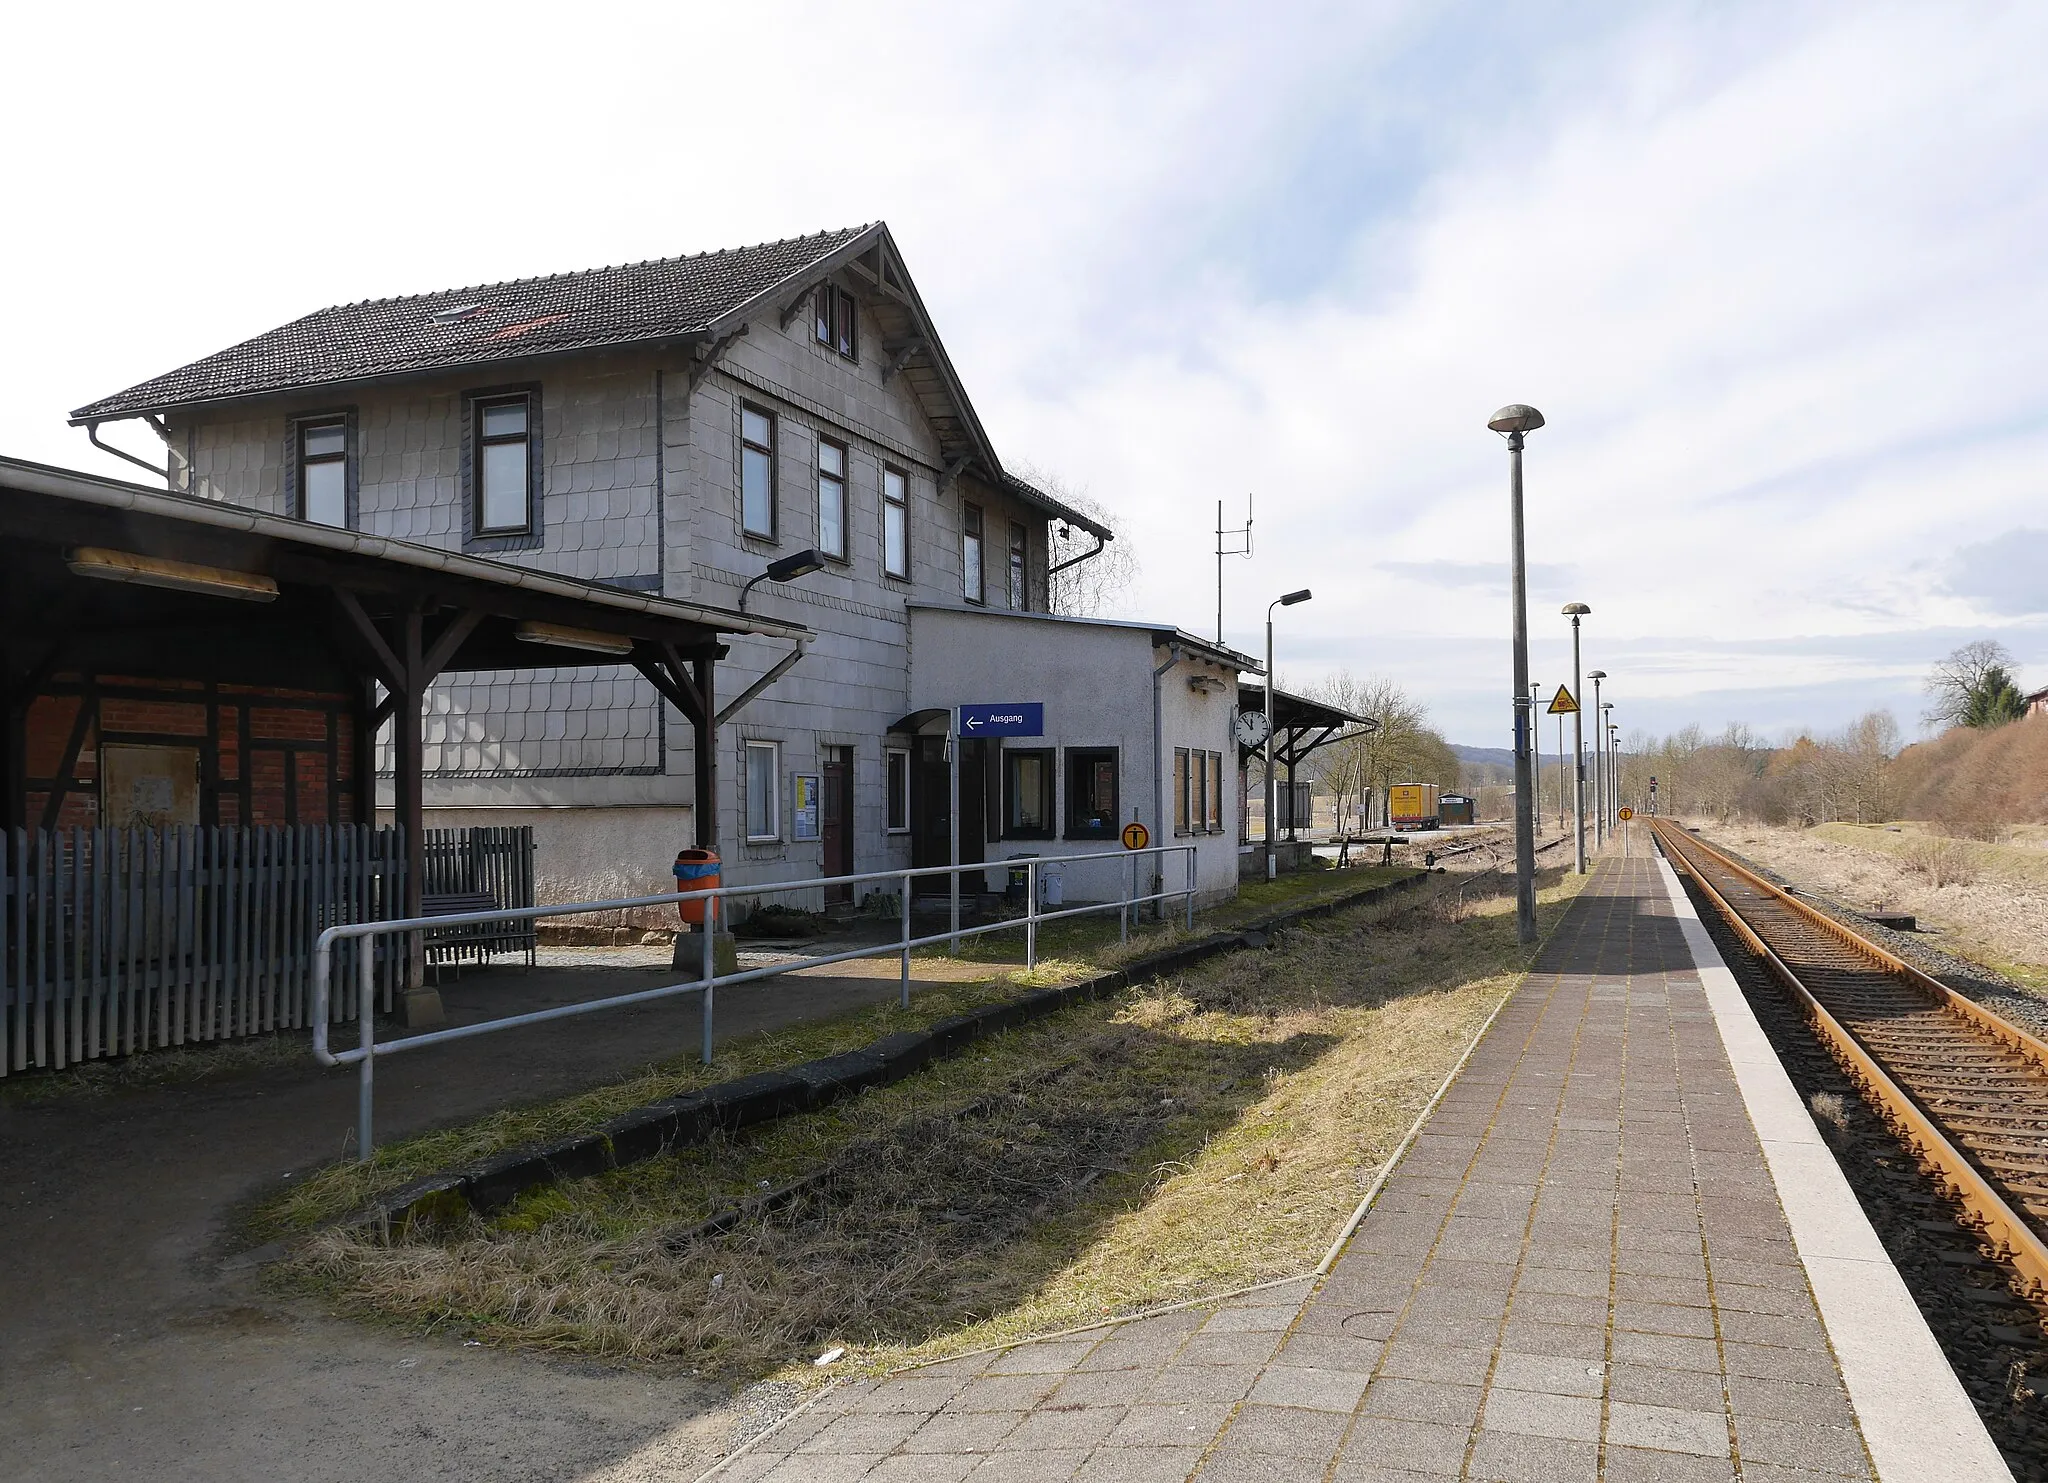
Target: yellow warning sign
x: 1626, y: 814
x: 1562, y: 704
x: 1136, y: 836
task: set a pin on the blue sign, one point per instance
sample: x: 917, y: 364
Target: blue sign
x: 1019, y: 718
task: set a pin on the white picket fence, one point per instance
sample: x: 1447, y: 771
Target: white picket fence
x: 119, y: 940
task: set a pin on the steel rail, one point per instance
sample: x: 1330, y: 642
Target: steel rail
x: 2007, y: 1231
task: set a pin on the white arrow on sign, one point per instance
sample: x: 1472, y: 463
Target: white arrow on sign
x: 972, y: 722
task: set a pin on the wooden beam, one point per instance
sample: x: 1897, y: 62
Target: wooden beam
x: 709, y: 357
x: 681, y: 671
x: 390, y: 670
x: 450, y: 639
x: 705, y: 737
x: 953, y: 470
x: 657, y: 675
x: 900, y: 357
x: 795, y: 306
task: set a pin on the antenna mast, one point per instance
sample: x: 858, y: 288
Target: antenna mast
x: 1231, y: 548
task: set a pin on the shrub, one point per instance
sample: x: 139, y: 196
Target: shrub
x: 1944, y: 861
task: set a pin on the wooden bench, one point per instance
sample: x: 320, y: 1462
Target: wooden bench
x: 472, y: 941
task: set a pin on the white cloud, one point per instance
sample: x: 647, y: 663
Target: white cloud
x: 1771, y: 272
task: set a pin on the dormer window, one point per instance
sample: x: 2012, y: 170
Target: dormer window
x: 832, y: 316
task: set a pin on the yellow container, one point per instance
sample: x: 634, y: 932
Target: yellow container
x: 1412, y: 805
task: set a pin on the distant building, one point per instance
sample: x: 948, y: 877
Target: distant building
x: 2037, y: 703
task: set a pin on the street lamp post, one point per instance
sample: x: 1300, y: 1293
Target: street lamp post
x: 1513, y: 422
x: 1613, y: 769
x: 1536, y: 749
x: 1576, y: 611
x: 1599, y: 763
x: 1273, y: 865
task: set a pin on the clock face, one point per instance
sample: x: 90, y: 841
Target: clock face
x: 1251, y: 728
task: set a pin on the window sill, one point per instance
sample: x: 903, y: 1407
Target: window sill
x: 1046, y: 838
x: 764, y: 839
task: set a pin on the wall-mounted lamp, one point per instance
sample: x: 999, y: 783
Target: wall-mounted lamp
x: 788, y: 569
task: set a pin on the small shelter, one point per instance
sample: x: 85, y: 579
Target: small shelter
x: 176, y: 663
x: 1300, y: 726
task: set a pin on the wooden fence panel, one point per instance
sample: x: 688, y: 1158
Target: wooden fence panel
x: 114, y: 941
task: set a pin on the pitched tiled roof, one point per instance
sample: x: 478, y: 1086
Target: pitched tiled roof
x: 664, y: 299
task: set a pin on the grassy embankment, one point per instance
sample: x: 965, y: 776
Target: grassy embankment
x: 1182, y: 1138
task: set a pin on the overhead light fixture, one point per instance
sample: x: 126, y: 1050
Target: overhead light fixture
x: 560, y: 636
x: 788, y: 569
x: 173, y: 576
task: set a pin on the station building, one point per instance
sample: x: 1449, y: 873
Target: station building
x: 672, y: 430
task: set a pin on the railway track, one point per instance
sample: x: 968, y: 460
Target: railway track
x: 1964, y: 1089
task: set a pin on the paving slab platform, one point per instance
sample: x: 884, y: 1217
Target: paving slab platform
x: 1581, y: 1269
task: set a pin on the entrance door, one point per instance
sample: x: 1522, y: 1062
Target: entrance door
x: 931, y: 818
x: 973, y: 804
x: 836, y: 824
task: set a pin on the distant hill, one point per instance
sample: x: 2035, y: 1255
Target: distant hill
x: 1499, y: 756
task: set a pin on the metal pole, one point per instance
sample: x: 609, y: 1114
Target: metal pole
x: 709, y: 963
x: 1030, y: 914
x: 1123, y: 911
x: 1578, y: 755
x: 1599, y: 775
x: 953, y: 825
x: 1536, y: 748
x: 1560, y: 773
x: 1272, y: 865
x: 366, y: 1011
x: 1525, y: 819
x: 1219, y: 571
x: 906, y: 939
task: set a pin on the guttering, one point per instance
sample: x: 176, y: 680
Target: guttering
x: 1158, y: 778
x: 782, y: 667
x: 1100, y: 542
x: 94, y: 489
x: 92, y: 431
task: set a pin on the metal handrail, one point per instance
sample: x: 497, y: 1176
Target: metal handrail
x: 364, y: 1056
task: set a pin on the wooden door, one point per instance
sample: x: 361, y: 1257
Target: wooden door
x: 836, y: 823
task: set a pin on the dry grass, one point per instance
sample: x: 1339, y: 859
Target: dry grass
x: 1068, y: 951
x: 1184, y: 1138
x: 1979, y: 783
x: 1988, y: 902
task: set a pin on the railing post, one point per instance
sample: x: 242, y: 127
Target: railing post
x: 366, y: 1011
x: 1123, y: 910
x: 709, y: 965
x: 1191, y: 888
x: 906, y: 939
x: 1030, y: 914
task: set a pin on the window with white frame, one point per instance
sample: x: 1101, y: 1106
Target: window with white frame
x: 895, y: 523
x: 1018, y: 540
x: 835, y: 320
x: 764, y: 771
x: 757, y: 472
x: 897, y: 788
x: 832, y: 498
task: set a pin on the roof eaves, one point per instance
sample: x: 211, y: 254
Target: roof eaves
x: 1030, y: 492
x: 807, y: 275
x: 118, y: 494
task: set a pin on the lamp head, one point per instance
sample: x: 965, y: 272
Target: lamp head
x: 1294, y: 597
x: 1596, y: 674
x: 1515, y: 418
x: 799, y: 564
x: 1574, y: 609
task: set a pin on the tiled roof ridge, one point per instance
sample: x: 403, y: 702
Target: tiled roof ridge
x: 647, y: 262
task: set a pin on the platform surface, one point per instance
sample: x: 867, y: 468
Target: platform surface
x: 1580, y: 1270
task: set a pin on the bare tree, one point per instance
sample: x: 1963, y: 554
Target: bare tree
x: 1097, y: 586
x: 1960, y: 681
x: 1357, y: 769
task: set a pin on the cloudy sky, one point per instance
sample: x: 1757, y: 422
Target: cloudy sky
x: 1774, y: 273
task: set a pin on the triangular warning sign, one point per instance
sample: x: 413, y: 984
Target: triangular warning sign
x: 1562, y: 704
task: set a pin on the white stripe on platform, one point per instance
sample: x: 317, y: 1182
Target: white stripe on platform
x: 1916, y: 1418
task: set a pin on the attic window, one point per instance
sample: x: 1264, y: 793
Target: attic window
x: 833, y: 320
x: 457, y: 315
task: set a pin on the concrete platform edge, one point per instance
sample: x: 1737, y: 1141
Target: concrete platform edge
x: 1915, y: 1416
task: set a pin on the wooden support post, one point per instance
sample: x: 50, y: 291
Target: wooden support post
x: 705, y: 736
x: 420, y: 1005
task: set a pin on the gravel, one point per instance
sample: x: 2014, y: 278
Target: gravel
x: 1993, y: 1338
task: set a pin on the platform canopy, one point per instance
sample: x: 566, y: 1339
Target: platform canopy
x: 100, y: 574
x: 1300, y: 725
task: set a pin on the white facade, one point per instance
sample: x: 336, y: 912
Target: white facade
x: 1097, y: 680
x: 638, y: 455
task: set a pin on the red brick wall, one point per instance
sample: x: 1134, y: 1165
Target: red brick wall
x: 277, y: 756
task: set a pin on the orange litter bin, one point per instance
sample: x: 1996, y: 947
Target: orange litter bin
x: 695, y: 870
